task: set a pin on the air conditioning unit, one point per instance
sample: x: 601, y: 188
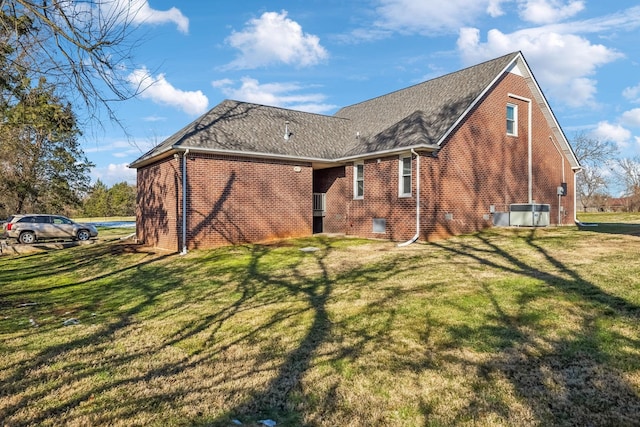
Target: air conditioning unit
x: 529, y: 215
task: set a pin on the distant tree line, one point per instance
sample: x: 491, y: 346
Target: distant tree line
x: 119, y: 200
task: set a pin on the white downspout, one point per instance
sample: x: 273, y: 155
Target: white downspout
x: 184, y: 202
x: 529, y: 142
x: 575, y: 198
x: 414, y: 238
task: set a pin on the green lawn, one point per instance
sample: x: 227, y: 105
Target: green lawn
x: 506, y: 327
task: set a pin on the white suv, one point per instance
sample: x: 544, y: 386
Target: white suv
x: 31, y: 227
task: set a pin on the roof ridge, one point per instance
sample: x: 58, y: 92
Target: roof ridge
x: 463, y: 70
x: 274, y: 107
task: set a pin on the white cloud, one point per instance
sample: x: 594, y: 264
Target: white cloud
x: 114, y: 174
x: 632, y: 93
x: 631, y: 118
x: 611, y: 132
x: 563, y: 63
x: 625, y: 20
x: 494, y: 9
x: 549, y: 11
x: 274, y: 38
x: 432, y: 17
x: 119, y: 148
x: 139, y: 12
x: 284, y: 95
x: 154, y: 119
x: 160, y: 91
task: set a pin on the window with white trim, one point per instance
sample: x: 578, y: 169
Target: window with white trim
x: 358, y: 181
x: 512, y: 119
x: 404, y: 177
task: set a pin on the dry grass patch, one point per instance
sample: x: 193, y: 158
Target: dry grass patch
x: 506, y: 327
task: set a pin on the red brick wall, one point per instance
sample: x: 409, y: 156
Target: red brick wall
x: 478, y: 166
x: 235, y: 200
x: 159, y: 204
x: 230, y: 200
x: 355, y: 216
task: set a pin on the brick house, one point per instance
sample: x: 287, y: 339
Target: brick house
x: 440, y: 158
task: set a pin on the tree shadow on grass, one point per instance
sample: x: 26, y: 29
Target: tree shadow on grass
x: 611, y: 228
x: 27, y: 379
x: 283, y: 398
x: 563, y: 379
x: 139, y: 290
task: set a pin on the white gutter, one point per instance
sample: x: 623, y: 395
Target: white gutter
x: 184, y: 202
x: 529, y: 143
x: 389, y: 152
x: 414, y: 238
x: 337, y: 160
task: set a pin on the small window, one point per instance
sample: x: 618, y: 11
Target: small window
x: 358, y: 181
x: 512, y: 119
x: 379, y: 225
x: 405, y: 177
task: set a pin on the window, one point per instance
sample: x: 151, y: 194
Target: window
x: 512, y: 119
x: 358, y: 181
x: 379, y: 225
x: 405, y: 177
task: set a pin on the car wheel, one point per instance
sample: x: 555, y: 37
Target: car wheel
x: 83, y: 235
x: 27, y: 237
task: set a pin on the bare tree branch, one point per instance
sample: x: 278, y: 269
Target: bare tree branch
x: 85, y: 46
x: 594, y: 155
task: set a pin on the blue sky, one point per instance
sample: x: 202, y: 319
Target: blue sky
x: 320, y: 55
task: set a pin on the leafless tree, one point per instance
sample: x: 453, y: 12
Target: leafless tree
x: 595, y: 156
x: 84, y: 46
x: 628, y: 172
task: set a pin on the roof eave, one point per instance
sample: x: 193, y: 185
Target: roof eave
x: 318, y: 160
x: 382, y: 153
x: 240, y: 153
x: 549, y: 115
x: 141, y: 162
x: 477, y: 100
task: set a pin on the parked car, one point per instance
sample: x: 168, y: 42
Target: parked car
x: 32, y: 227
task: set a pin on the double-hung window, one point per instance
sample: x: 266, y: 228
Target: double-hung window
x: 512, y: 119
x: 404, y: 177
x: 358, y: 181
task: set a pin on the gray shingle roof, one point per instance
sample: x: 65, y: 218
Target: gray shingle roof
x: 417, y: 115
x: 242, y: 127
x: 429, y: 108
